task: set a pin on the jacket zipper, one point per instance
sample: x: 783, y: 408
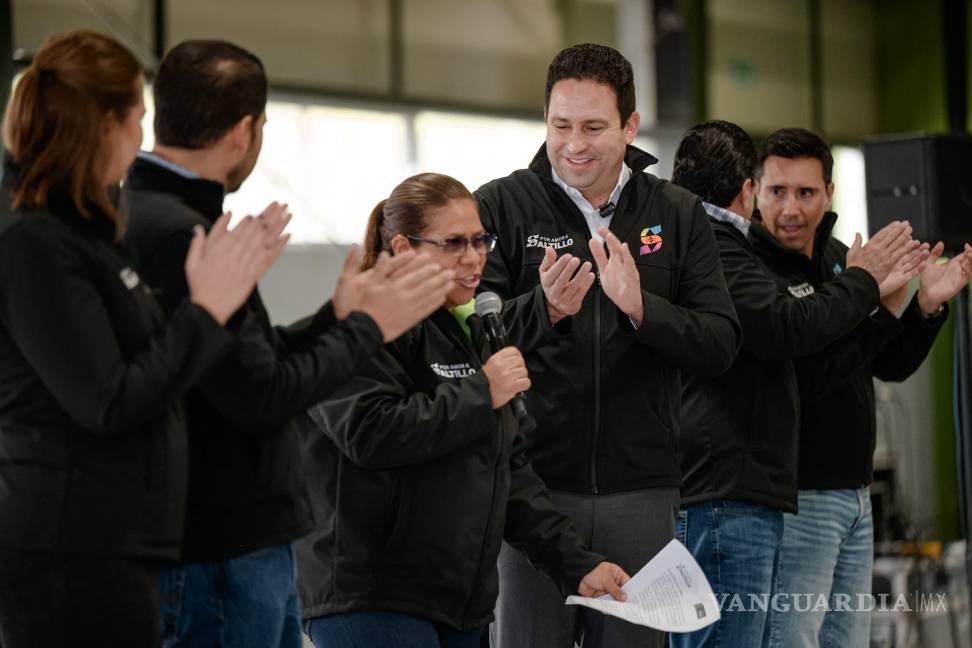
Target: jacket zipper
x: 501, y: 452
x: 489, y: 523
x: 597, y: 340
x: 597, y: 380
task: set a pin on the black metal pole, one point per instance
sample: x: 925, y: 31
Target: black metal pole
x: 956, y: 84
x: 159, y: 29
x: 963, y: 394
x: 956, y: 67
x: 6, y: 52
x: 396, y: 49
x: 816, y: 66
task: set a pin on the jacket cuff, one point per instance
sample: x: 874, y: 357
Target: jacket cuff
x: 324, y: 318
x: 868, y: 282
x: 881, y: 315
x: 577, y: 569
x: 914, y: 312
x: 549, y: 332
x: 648, y: 309
x: 216, y: 339
x: 366, y: 330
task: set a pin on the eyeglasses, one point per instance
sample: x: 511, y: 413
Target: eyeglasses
x: 456, y: 245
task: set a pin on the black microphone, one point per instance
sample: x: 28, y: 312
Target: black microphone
x: 488, y: 308
x: 606, y: 209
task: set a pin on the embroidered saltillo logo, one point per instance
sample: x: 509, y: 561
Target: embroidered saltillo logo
x: 456, y: 370
x: 556, y: 242
x: 801, y: 290
x: 651, y: 240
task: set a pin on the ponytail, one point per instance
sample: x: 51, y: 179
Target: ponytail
x: 53, y: 122
x: 374, y: 236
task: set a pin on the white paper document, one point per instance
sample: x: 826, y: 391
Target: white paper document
x: 670, y: 593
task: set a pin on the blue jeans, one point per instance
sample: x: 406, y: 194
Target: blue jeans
x: 388, y: 630
x: 736, y: 544
x: 825, y: 572
x: 244, y: 602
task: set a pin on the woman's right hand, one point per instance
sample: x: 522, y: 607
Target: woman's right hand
x: 223, y: 267
x: 507, y: 375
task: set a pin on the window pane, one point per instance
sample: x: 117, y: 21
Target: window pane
x: 331, y: 165
x: 475, y: 149
x: 331, y: 44
x: 127, y: 20
x: 850, y: 197
x: 503, y: 64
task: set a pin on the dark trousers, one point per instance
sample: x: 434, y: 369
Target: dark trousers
x: 629, y: 529
x: 49, y: 599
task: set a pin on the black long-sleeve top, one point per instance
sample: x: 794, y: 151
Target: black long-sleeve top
x: 246, y: 487
x: 93, y: 456
x: 838, y: 426
x: 740, y: 430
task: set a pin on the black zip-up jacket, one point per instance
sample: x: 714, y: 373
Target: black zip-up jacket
x: 606, y: 396
x: 415, y: 481
x: 93, y: 456
x: 838, y: 425
x: 740, y: 429
x: 246, y: 488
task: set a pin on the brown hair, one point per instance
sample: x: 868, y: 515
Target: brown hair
x: 53, y: 123
x: 403, y: 212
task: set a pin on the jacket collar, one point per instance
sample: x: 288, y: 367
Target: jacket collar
x: 760, y: 237
x: 723, y: 215
x: 447, y: 323
x: 636, y: 159
x: 203, y: 196
x: 60, y: 204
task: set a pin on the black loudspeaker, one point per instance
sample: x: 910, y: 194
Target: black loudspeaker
x: 924, y: 179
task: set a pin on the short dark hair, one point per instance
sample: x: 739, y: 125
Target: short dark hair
x: 714, y: 160
x: 203, y: 88
x: 596, y: 63
x: 793, y: 143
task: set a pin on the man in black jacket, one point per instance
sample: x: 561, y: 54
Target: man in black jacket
x: 607, y: 385
x: 246, y: 499
x: 739, y: 430
x: 827, y: 549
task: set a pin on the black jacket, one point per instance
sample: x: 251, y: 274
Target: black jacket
x: 606, y: 396
x: 246, y: 489
x: 415, y: 481
x: 838, y: 426
x: 93, y: 456
x: 740, y: 429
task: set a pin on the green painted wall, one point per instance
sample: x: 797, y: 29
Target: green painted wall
x: 910, y: 66
x: 911, y: 97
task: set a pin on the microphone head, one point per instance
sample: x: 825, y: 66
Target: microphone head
x: 488, y: 303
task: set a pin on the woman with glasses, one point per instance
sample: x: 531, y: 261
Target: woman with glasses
x: 417, y: 470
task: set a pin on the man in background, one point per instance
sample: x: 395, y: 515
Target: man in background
x: 246, y: 499
x: 739, y: 430
x: 828, y: 548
